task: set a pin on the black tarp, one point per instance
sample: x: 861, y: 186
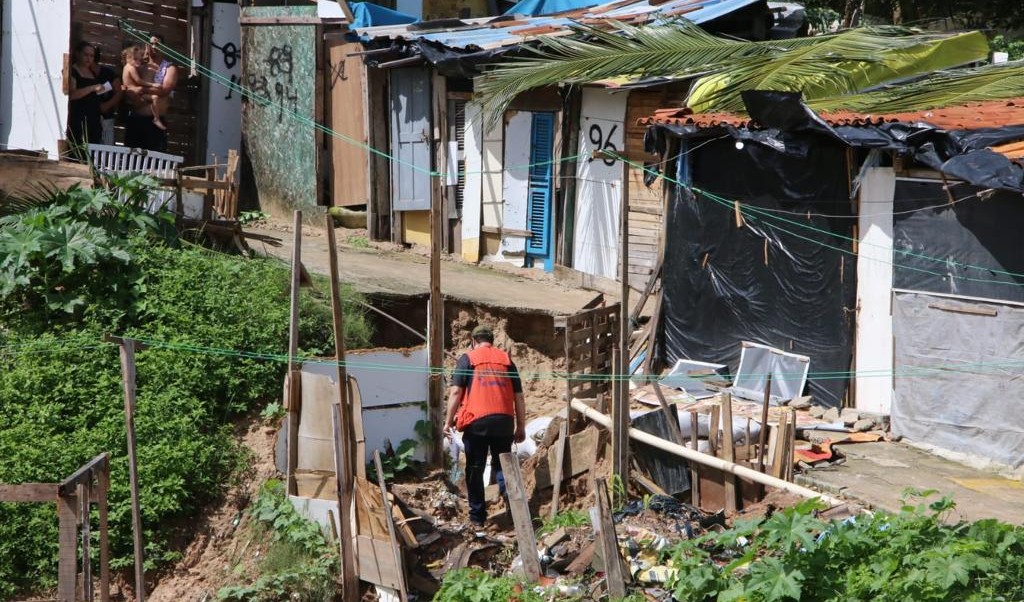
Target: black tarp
x: 719, y: 288
x: 977, y: 238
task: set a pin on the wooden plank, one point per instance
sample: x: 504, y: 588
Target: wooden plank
x: 392, y: 535
x: 358, y: 435
x: 84, y: 495
x: 506, y: 231
x: 519, y: 507
x: 604, y: 533
x: 781, y: 442
x: 435, y: 323
x: 714, y: 432
x: 728, y: 453
x: 128, y: 380
x: 283, y: 20
x: 86, y: 473
x: 764, y: 425
x: 377, y: 562
x: 350, y: 161
x: 671, y: 415
x: 29, y: 492
x: 579, y: 456
x: 67, y: 565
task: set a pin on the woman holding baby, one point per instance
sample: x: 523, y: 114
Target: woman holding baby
x: 149, y: 81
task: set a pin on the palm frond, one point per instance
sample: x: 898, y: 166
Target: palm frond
x: 678, y: 48
x: 36, y: 196
x: 992, y: 82
x: 843, y: 64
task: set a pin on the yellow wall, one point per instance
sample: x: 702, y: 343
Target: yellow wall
x: 416, y: 227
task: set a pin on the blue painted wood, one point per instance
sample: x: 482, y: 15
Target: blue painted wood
x: 539, y: 208
x: 410, y: 139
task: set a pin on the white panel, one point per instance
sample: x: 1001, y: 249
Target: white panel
x: 516, y: 185
x: 33, y: 107
x: 874, y: 291
x: 386, y: 377
x: 473, y: 187
x: 225, y: 122
x: 599, y: 184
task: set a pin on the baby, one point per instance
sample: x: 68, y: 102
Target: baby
x: 138, y: 74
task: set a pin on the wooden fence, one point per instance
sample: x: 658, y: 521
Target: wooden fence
x: 74, y: 497
x: 97, y: 22
x: 590, y: 337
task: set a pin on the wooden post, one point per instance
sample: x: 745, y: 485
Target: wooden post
x: 519, y: 507
x: 345, y: 485
x: 604, y: 532
x: 781, y: 443
x: 763, y: 438
x: 694, y: 474
x: 128, y: 378
x: 344, y: 450
x: 625, y: 327
x: 293, y: 394
x: 390, y: 520
x: 435, y: 330
x: 620, y: 418
x: 103, y: 479
x: 563, y: 429
x: 713, y: 430
x: 791, y: 454
x: 84, y: 499
x: 67, y: 567
x: 728, y: 453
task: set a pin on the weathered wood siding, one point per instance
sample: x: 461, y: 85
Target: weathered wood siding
x: 97, y: 22
x: 349, y: 157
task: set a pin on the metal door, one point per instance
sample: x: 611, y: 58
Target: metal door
x: 538, y: 219
x: 410, y: 139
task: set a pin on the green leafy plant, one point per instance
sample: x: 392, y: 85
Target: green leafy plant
x: 912, y: 555
x: 299, y: 563
x: 565, y: 518
x: 398, y: 463
x: 272, y: 412
x: 1015, y: 48
x: 359, y: 242
x: 61, y: 399
x: 474, y: 585
x: 251, y: 217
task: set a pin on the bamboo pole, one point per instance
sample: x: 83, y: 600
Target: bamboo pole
x: 705, y: 459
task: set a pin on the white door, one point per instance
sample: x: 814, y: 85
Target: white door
x: 599, y: 183
x: 33, y: 107
x: 225, y: 105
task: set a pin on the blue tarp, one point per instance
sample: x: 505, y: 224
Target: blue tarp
x: 373, y: 15
x: 547, y: 7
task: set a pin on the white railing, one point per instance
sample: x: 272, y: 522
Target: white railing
x: 123, y: 160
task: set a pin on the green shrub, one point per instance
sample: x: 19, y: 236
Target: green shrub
x: 299, y: 563
x: 913, y: 555
x: 61, y: 400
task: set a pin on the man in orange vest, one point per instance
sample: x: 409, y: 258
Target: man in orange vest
x: 486, y: 405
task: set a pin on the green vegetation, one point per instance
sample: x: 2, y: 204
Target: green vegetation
x: 474, y: 585
x: 912, y: 555
x: 1015, y: 48
x: 299, y: 563
x: 397, y: 463
x: 565, y: 518
x: 85, y: 264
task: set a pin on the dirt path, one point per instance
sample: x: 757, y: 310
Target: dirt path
x: 383, y: 269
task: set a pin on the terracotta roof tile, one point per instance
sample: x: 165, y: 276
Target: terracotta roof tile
x: 971, y: 116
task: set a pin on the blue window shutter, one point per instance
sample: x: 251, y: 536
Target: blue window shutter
x: 538, y: 219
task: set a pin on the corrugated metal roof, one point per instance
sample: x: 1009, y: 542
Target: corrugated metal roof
x: 497, y: 32
x: 972, y: 116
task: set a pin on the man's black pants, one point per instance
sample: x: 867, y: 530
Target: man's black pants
x: 477, y: 449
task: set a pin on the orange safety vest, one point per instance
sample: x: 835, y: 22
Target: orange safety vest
x: 490, y: 391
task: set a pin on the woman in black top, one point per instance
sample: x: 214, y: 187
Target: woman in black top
x: 85, y: 122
